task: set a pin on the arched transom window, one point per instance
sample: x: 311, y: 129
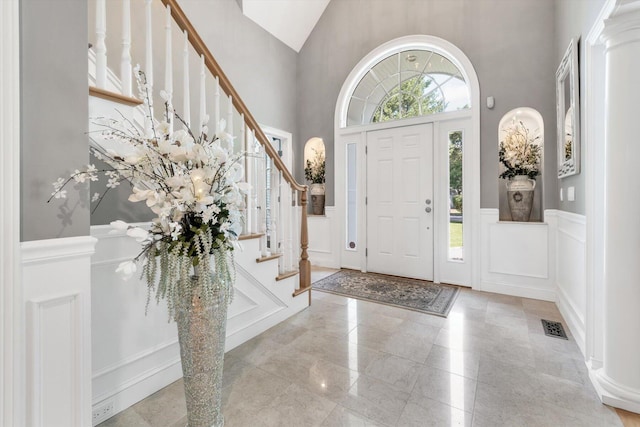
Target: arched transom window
x: 406, y: 84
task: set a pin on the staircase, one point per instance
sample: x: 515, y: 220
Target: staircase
x: 134, y: 355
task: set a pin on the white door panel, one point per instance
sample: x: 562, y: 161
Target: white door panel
x: 399, y: 181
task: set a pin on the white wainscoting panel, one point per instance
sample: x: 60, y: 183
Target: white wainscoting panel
x: 56, y: 275
x: 135, y: 355
x: 324, y: 236
x: 517, y: 258
x: 571, y: 234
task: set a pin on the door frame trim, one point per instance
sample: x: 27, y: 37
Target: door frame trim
x: 357, y: 134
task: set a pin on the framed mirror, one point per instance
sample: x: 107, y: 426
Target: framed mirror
x: 568, y: 112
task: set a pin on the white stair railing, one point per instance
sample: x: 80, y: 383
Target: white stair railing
x: 286, y: 229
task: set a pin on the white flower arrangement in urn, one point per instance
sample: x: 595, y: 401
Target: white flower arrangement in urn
x: 520, y: 151
x: 193, y: 184
x: 520, y: 155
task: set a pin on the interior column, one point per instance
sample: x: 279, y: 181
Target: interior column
x: 619, y: 378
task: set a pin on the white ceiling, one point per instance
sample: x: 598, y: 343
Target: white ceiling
x: 291, y: 21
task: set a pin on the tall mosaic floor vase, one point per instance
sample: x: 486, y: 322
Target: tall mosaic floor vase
x: 201, y: 332
x: 520, y: 195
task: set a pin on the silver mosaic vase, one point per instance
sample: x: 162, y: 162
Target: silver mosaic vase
x: 201, y: 333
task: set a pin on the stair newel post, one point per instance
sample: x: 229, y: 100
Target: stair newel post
x: 216, y: 105
x: 125, y: 62
x: 203, y: 95
x: 305, y: 264
x: 101, y: 47
x: 168, y: 69
x: 186, y: 96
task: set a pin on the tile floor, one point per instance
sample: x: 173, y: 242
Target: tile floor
x: 345, y: 362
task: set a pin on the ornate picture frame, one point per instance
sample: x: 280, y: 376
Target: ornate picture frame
x: 568, y: 112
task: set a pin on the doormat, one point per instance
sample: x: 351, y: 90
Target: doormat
x: 554, y: 329
x: 411, y: 294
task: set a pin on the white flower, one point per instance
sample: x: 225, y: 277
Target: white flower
x: 175, y: 228
x: 140, y: 195
x: 138, y: 233
x: 95, y: 197
x: 60, y: 194
x: 126, y: 268
x: 79, y: 176
x: 119, y: 225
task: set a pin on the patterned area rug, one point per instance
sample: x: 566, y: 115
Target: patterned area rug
x: 412, y: 294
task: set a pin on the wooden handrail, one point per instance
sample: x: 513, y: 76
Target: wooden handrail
x: 201, y: 49
x: 212, y: 65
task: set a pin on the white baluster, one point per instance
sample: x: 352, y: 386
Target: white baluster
x: 186, y: 97
x: 148, y: 62
x: 274, y: 207
x: 261, y: 195
x: 230, y: 122
x: 101, y: 47
x: 125, y: 62
x: 248, y: 178
x: 292, y: 230
x: 203, y: 95
x: 216, y: 107
x: 168, y: 68
x: 255, y: 180
x: 242, y: 135
x: 281, y: 218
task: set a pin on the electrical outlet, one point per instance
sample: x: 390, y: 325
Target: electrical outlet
x: 101, y: 412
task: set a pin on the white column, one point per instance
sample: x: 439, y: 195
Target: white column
x: 619, y: 378
x: 11, y: 304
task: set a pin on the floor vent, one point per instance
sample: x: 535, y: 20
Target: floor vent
x: 553, y: 329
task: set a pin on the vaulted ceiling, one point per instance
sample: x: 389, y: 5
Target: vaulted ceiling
x: 291, y: 21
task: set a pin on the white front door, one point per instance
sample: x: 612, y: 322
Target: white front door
x: 399, y: 201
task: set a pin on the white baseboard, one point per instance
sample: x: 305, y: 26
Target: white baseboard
x: 574, y: 319
x: 518, y: 290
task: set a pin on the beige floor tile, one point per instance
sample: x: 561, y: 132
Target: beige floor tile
x: 376, y: 400
x: 346, y: 362
x: 342, y: 417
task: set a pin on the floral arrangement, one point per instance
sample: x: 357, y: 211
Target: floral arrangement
x: 520, y: 151
x: 192, y: 183
x: 314, y: 170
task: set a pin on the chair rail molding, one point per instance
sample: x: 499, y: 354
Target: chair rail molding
x: 11, y: 323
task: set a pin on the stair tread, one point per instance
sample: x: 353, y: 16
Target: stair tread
x: 250, y: 236
x: 113, y: 96
x: 268, y: 257
x: 286, y: 275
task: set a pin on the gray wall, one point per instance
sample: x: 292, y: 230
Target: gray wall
x: 510, y: 43
x: 260, y: 67
x: 574, y: 18
x: 54, y: 113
